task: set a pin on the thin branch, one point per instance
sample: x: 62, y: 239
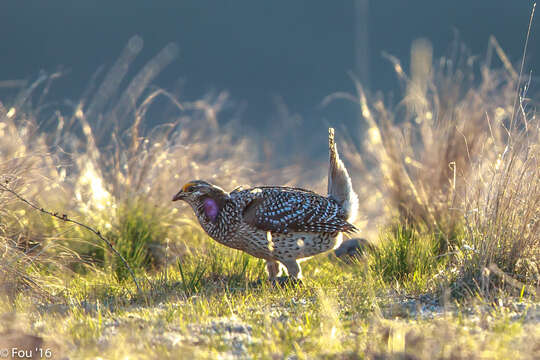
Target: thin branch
x: 65, y: 218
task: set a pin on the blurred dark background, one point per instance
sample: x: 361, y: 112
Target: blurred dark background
x: 264, y: 53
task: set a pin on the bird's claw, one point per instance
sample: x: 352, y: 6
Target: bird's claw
x: 283, y: 281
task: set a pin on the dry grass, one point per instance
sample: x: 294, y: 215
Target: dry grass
x: 450, y: 175
x: 458, y: 158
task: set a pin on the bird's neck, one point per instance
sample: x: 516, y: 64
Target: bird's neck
x: 210, y: 213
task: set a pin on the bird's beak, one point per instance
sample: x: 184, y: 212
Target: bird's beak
x: 181, y: 194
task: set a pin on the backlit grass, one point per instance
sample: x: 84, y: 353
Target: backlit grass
x: 449, y: 182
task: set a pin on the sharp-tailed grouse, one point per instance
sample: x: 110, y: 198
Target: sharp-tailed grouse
x: 276, y: 223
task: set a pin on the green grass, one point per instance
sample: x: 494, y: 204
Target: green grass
x: 408, y: 256
x: 207, y: 305
x: 138, y: 235
x: 453, y: 272
x: 203, y: 299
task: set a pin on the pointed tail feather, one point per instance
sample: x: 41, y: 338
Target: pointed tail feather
x: 339, y: 182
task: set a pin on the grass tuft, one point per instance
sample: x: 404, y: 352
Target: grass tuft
x: 450, y: 186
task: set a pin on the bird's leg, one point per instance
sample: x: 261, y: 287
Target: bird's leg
x: 294, y: 271
x: 273, y: 270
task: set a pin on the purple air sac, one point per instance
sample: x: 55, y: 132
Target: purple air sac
x: 211, y: 209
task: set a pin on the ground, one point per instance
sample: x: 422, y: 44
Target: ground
x: 336, y: 313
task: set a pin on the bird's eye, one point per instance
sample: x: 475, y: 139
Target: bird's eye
x: 188, y: 187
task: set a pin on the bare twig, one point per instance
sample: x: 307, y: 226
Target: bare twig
x: 64, y: 217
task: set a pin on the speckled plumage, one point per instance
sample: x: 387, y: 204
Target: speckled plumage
x: 275, y: 223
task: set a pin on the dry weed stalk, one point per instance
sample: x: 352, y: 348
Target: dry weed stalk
x: 65, y: 218
x: 458, y: 157
x: 100, y: 172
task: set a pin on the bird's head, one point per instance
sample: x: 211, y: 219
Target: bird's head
x: 204, y: 197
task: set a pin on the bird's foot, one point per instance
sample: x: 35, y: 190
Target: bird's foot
x: 255, y: 284
x: 283, y: 281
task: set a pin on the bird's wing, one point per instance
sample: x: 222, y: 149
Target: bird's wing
x: 282, y: 210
